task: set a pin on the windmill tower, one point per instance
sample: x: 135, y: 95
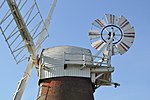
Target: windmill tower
x: 64, y: 72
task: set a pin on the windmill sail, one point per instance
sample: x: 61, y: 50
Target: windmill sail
x: 21, y: 24
x: 43, y: 34
x: 23, y: 82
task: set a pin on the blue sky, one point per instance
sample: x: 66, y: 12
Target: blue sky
x: 71, y: 22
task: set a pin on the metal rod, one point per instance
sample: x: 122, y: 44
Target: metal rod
x: 2, y: 4
x: 14, y: 40
x: 12, y: 33
x: 32, y: 18
x: 36, y: 28
x: 30, y: 12
x: 23, y: 4
x: 18, y: 49
x: 23, y: 58
x: 8, y: 24
x: 7, y: 43
x: 5, y: 17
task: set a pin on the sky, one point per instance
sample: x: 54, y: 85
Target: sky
x: 70, y: 24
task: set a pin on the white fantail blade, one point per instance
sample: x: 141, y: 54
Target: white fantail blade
x: 129, y: 33
x: 123, y: 47
x: 127, y: 40
x: 98, y: 45
x: 94, y: 34
x: 124, y: 23
x: 23, y: 81
x: 100, y: 23
x: 112, y: 19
